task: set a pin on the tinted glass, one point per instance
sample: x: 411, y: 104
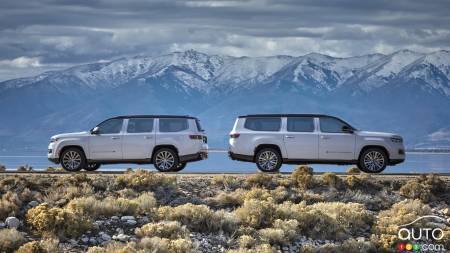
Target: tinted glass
x: 140, y: 125
x: 331, y: 125
x: 303, y: 124
x: 199, y: 127
x: 172, y: 125
x: 111, y: 126
x: 263, y: 124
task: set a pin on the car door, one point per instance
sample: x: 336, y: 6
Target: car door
x: 336, y: 143
x: 138, y: 139
x: 107, y: 143
x: 301, y: 138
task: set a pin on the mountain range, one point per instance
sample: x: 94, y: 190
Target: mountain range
x: 404, y: 92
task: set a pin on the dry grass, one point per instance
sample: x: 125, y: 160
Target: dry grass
x: 425, y: 188
x: 353, y: 170
x: 256, y: 213
x: 166, y: 229
x: 261, y: 180
x: 303, y: 177
x: 45, y: 246
x: 142, y: 180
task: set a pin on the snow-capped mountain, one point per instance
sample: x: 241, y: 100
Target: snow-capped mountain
x: 377, y: 92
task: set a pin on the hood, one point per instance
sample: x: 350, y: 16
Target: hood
x: 376, y: 134
x: 70, y: 135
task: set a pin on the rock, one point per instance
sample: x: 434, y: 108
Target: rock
x: 125, y: 218
x: 12, y: 222
x: 92, y: 240
x: 360, y: 239
x: 115, y: 218
x: 121, y: 237
x: 446, y: 211
x: 33, y: 203
x: 119, y: 230
x: 85, y: 239
x: 105, y: 237
x: 2, y: 225
x: 73, y: 242
x: 131, y: 222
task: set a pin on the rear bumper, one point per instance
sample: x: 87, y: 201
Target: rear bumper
x: 194, y: 157
x: 239, y: 157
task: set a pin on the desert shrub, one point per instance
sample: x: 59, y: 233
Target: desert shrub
x: 400, y: 213
x: 310, y: 197
x: 415, y: 189
x: 260, y: 180
x: 353, y: 170
x: 196, y: 217
x: 246, y: 241
x: 75, y: 179
x: 262, y: 248
x: 353, y: 182
x: 282, y: 232
x: 302, y: 177
x: 331, y: 180
x: 350, y: 245
x: 53, y: 169
x: 110, y: 206
x: 23, y: 168
x: 163, y: 245
x: 57, y: 221
x: 227, y: 182
x: 10, y: 204
x: 352, y: 217
x: 10, y: 239
x: 256, y: 213
x: 141, y: 180
x: 48, y: 245
x: 2, y: 168
x: 165, y: 229
x: 231, y: 199
x: 61, y: 195
x: 114, y: 247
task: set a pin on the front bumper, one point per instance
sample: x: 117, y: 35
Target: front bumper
x: 53, y: 160
x: 202, y: 155
x: 395, y: 161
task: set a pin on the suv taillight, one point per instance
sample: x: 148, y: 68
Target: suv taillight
x: 196, y: 137
x: 235, y: 135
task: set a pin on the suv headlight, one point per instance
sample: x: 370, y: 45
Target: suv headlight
x: 397, y: 139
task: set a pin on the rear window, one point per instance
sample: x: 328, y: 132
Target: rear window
x: 173, y: 125
x: 263, y: 124
x: 140, y: 125
x: 300, y: 124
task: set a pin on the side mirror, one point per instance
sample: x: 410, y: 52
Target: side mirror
x: 347, y: 129
x: 95, y: 131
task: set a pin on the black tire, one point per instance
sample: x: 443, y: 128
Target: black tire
x: 92, y: 166
x: 73, y: 159
x: 268, y: 160
x: 165, y: 160
x: 373, y: 160
x: 180, y: 167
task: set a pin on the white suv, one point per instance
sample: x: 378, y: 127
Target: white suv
x: 272, y: 139
x: 167, y: 141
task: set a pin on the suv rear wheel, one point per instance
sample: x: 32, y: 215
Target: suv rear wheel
x: 373, y: 160
x: 268, y: 160
x: 92, y: 166
x: 165, y: 160
x: 72, y: 159
x: 180, y: 167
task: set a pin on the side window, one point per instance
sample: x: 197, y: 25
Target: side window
x: 300, y: 124
x: 173, y: 125
x: 111, y: 126
x: 331, y: 125
x: 263, y: 124
x: 140, y: 126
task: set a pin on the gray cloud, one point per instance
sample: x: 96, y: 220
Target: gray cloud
x: 56, y: 33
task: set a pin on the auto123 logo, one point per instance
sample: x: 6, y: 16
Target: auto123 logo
x: 421, y: 236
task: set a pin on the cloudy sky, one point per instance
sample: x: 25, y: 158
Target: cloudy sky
x: 43, y: 35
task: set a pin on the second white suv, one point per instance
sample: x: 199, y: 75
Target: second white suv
x: 272, y: 139
x: 167, y: 141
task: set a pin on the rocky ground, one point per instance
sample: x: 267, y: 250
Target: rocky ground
x: 151, y: 212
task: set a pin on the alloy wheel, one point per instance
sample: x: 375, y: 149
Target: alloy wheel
x: 268, y: 160
x: 165, y: 160
x: 374, y: 161
x: 72, y: 160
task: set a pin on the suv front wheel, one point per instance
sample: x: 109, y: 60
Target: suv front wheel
x: 72, y: 159
x: 373, y: 160
x: 165, y: 160
x: 268, y: 160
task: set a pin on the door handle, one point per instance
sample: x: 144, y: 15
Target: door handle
x: 115, y: 137
x: 289, y: 137
x: 324, y: 137
x: 148, y: 137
